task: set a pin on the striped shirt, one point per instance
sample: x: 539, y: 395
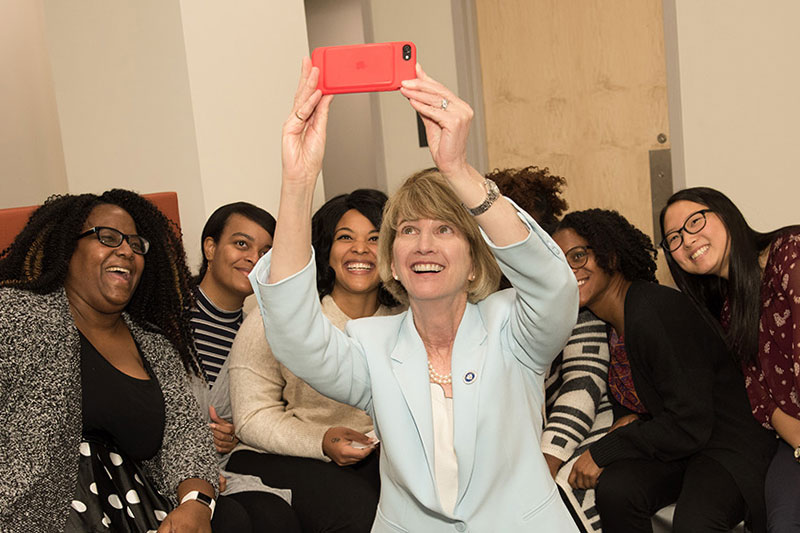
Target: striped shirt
x: 214, y: 330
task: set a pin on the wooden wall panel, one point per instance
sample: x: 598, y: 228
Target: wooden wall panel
x: 578, y: 86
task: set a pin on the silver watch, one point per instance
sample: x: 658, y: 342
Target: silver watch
x: 492, y: 194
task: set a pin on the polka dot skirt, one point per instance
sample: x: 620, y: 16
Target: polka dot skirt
x: 113, y: 494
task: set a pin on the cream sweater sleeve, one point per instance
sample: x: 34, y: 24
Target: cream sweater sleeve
x: 259, y: 410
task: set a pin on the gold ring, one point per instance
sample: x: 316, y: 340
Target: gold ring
x: 298, y: 115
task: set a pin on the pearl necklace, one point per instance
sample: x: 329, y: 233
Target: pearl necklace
x: 439, y: 379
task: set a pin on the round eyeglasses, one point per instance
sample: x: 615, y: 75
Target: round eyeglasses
x: 577, y: 256
x: 113, y: 238
x: 693, y: 224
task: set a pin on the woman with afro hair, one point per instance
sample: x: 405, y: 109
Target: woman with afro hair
x: 577, y: 409
x: 683, y: 432
x: 100, y: 430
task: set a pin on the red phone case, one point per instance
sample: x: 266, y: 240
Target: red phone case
x: 362, y: 68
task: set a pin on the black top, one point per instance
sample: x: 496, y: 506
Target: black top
x: 121, y: 410
x: 693, y: 391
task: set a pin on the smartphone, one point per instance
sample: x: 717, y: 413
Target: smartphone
x: 362, y: 68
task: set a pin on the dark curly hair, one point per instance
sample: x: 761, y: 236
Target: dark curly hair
x: 743, y: 286
x: 368, y: 202
x: 39, y: 257
x: 617, y: 245
x: 535, y: 190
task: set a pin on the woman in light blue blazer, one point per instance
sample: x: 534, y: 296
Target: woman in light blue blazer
x: 454, y: 385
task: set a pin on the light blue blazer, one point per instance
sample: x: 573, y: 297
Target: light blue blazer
x: 502, y: 350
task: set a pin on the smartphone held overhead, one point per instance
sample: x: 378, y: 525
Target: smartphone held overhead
x: 362, y: 68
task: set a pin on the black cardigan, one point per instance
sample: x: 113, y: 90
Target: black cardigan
x: 694, y: 394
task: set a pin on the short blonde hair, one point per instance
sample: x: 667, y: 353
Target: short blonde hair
x: 426, y: 194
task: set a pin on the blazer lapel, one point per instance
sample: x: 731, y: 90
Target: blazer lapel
x: 469, y: 355
x: 410, y: 367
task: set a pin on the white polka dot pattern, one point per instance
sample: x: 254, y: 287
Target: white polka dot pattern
x: 132, y: 497
x: 78, y: 506
x: 115, y: 502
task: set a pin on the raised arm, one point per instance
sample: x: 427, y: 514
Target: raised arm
x: 446, y: 118
x: 302, y: 148
x: 546, y: 288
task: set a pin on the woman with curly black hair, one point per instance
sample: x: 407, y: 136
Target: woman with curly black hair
x: 535, y: 190
x: 683, y: 430
x: 100, y: 429
x: 298, y: 438
x: 577, y: 409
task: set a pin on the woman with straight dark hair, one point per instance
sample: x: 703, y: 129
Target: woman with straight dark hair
x: 683, y: 432
x: 292, y: 436
x: 745, y: 281
x: 234, y: 237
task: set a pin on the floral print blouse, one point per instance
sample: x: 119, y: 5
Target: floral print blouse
x: 773, y: 380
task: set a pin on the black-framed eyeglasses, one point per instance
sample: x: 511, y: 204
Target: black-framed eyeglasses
x: 693, y: 224
x: 113, y: 238
x: 577, y: 256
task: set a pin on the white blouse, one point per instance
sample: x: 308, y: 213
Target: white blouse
x: 444, y: 455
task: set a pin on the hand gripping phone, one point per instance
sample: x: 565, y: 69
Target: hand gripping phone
x: 362, y: 68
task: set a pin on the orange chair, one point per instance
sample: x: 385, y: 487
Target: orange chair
x: 13, y: 219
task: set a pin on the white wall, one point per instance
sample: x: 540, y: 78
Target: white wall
x: 352, y: 149
x: 124, y: 105
x: 734, y: 102
x: 31, y: 156
x: 243, y: 65
x: 430, y: 26
x: 151, y: 95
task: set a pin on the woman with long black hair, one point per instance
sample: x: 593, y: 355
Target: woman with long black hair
x: 747, y: 283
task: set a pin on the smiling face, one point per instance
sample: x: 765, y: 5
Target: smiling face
x: 231, y: 258
x: 432, y: 259
x: 101, y: 277
x: 353, y: 256
x: 705, y: 252
x: 593, y: 281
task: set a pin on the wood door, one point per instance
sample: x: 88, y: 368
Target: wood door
x: 578, y: 86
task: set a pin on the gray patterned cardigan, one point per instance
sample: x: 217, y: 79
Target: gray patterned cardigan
x: 40, y: 410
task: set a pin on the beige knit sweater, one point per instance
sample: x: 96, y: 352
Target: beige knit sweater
x: 274, y: 411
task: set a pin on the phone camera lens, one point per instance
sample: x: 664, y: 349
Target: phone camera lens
x: 407, y: 52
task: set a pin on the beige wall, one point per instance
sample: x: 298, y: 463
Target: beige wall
x: 735, y: 105
x: 430, y: 26
x: 123, y: 100
x: 351, y: 153
x: 151, y: 95
x: 243, y: 67
x: 31, y: 157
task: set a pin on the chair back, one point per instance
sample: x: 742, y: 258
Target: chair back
x: 13, y: 219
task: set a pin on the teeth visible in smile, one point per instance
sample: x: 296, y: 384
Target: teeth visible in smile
x: 118, y: 269
x: 581, y: 282
x: 360, y: 266
x: 427, y: 267
x: 700, y: 251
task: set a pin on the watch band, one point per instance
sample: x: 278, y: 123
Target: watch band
x: 202, y: 498
x: 492, y: 194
